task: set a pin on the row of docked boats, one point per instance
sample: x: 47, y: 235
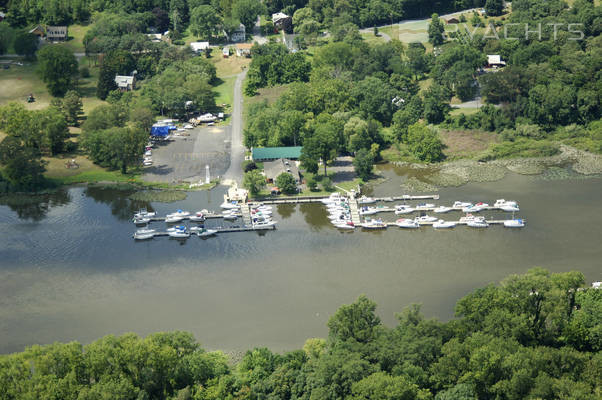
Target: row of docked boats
x: 339, y: 212
x: 176, y: 232
x: 261, y: 216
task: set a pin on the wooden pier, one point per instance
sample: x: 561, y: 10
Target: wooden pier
x: 353, y: 209
x: 318, y: 199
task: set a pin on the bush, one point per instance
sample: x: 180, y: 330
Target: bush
x: 249, y: 166
x: 327, y: 184
x: 312, y: 184
x: 286, y: 183
x: 522, y: 148
x: 84, y: 72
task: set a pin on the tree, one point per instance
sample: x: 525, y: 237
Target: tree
x: 57, y: 66
x: 6, y: 36
x: 104, y: 117
x: 363, y: 163
x: 494, y: 7
x: 161, y: 17
x: 436, y: 103
x: 356, y: 322
x: 323, y: 144
x: 204, y: 21
x: 142, y: 117
x: 424, y: 143
x: 23, y: 166
x: 253, y: 181
x: 116, y: 147
x: 435, y: 30
x: 381, y: 386
x: 26, y: 44
x: 247, y: 11
x: 118, y: 62
x: 72, y: 107
x: 286, y: 183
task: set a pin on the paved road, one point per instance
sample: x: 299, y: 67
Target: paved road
x: 237, y: 148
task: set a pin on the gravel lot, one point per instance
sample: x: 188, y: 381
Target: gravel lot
x: 184, y: 158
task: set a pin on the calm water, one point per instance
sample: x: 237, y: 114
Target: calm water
x: 69, y: 269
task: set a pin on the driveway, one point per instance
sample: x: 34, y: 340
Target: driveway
x: 237, y: 148
x: 184, y: 158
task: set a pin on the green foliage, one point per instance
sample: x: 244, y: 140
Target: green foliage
x: 104, y: 117
x: 494, y: 7
x: 247, y: 11
x: 115, y: 147
x: 363, y: 164
x: 424, y: 143
x: 436, y: 30
x: 22, y: 164
x: 26, y: 44
x: 254, y: 181
x: 6, y: 36
x: 204, y: 21
x: 522, y: 148
x: 72, y: 107
x: 57, y: 66
x: 286, y: 183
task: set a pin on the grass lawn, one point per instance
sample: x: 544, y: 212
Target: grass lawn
x: 18, y: 82
x: 371, y: 39
x: 76, y: 37
x: 465, y: 111
x: 87, y: 171
x: 424, y: 84
x: 226, y: 67
x: 466, y: 143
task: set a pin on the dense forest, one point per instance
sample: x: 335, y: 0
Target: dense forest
x: 534, y: 336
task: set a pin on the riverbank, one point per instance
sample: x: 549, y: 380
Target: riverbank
x: 428, y: 177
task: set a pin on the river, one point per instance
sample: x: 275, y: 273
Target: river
x: 69, y: 269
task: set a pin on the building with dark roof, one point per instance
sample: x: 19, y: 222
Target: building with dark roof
x: 261, y: 154
x: 273, y: 169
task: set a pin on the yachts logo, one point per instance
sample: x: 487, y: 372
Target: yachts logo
x: 519, y: 31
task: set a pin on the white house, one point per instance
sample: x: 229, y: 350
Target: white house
x: 495, y: 61
x: 239, y: 35
x: 243, y: 49
x: 155, y: 37
x: 125, y: 83
x: 54, y: 33
x: 198, y: 47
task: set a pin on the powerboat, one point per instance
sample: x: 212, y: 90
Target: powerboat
x: 461, y: 204
x: 141, y: 221
x: 499, y: 203
x: 441, y: 224
x: 471, y: 208
x: 230, y: 217
x: 206, y: 232
x: 426, y: 218
x: 179, y: 233
x: 176, y: 228
x: 368, y: 210
x: 229, y: 206
x: 366, y: 200
x: 333, y: 198
x: 478, y: 222
x: 480, y: 205
x: 345, y: 225
x: 179, y: 213
x: 197, y: 217
x: 442, y: 209
x: 142, y: 213
x: 374, y: 224
x: 388, y: 199
x: 172, y: 219
x: 145, y: 231
x: 143, y: 236
x: 266, y: 223
x: 407, y: 223
x: 510, y: 208
x: 514, y: 223
x: 424, y: 206
x: 403, y: 209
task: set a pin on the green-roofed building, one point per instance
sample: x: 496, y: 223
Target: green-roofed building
x: 261, y: 154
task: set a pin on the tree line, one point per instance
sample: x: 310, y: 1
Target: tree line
x: 534, y: 336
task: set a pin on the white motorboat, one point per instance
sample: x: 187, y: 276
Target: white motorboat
x: 179, y: 213
x: 148, y: 153
x: 374, y: 224
x: 514, y: 223
x: 441, y: 224
x: 407, y: 223
x: 481, y: 206
x: 345, y: 225
x: 230, y: 217
x: 147, y: 163
x: 266, y: 223
x: 426, y: 218
x: 179, y: 232
x: 176, y: 228
x: 471, y: 208
x: 206, y: 232
x: 262, y: 207
x: 188, y: 126
x: 442, y: 209
x: 368, y: 210
x: 403, y: 209
x: 264, y: 212
x: 143, y: 236
x: 501, y: 203
x: 145, y: 231
x: 461, y: 204
x: 478, y: 222
x: 229, y: 206
x: 197, y: 217
x: 509, y: 208
x: 388, y: 199
x: 141, y: 221
x: 467, y: 218
x: 366, y: 200
x: 172, y: 219
x: 424, y: 206
x: 143, y: 213
x: 333, y: 198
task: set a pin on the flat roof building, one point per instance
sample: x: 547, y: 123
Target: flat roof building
x: 274, y: 153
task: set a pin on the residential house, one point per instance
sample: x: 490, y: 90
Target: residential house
x: 125, y: 83
x: 199, y: 47
x: 243, y: 49
x: 495, y: 61
x: 262, y: 154
x: 273, y: 169
x: 453, y: 20
x: 155, y: 37
x: 56, y: 33
x: 239, y: 35
x: 2, y: 16
x: 283, y: 22
x: 39, y: 31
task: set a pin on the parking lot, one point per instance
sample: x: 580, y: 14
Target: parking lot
x: 183, y: 158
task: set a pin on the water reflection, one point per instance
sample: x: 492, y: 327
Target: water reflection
x: 285, y: 210
x: 35, y: 207
x: 315, y: 216
x: 118, y: 200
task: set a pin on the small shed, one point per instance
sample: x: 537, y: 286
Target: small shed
x: 453, y: 20
x: 243, y: 49
x: 57, y: 33
x: 261, y: 154
x: 125, y: 83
